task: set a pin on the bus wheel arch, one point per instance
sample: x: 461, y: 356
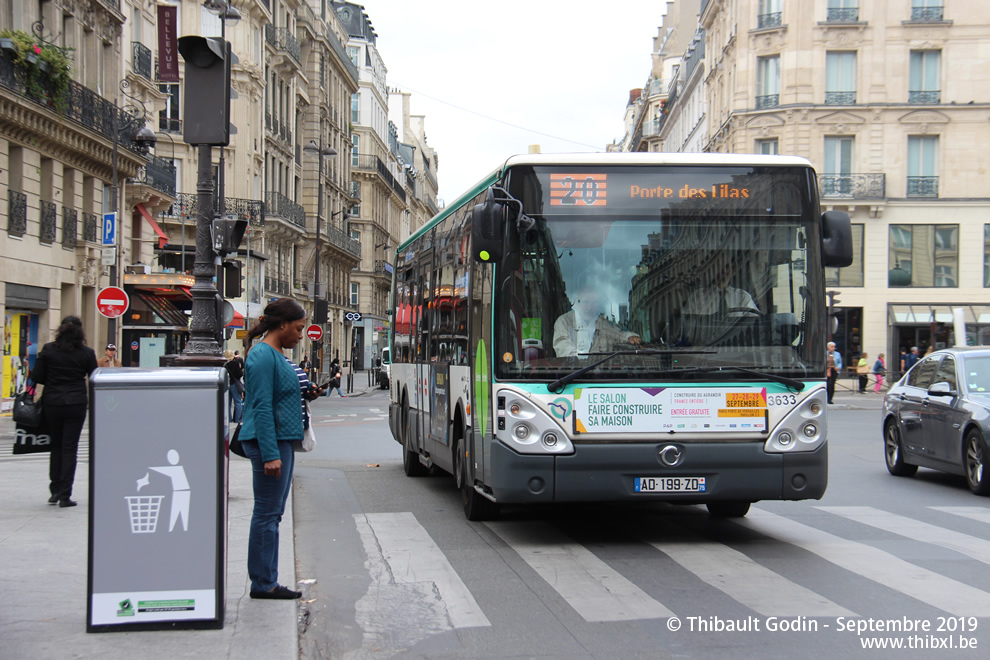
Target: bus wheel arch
x: 411, y: 464
x: 476, y: 506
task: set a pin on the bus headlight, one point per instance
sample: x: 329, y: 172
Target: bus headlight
x: 526, y: 427
x: 803, y: 428
x: 521, y: 431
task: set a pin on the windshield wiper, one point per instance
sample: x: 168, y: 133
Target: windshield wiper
x: 557, y: 386
x: 791, y: 383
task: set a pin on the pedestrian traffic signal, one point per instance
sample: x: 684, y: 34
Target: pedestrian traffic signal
x: 206, y: 108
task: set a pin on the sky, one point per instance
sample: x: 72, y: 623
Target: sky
x: 493, y: 78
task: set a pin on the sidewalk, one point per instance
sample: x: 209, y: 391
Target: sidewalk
x: 43, y: 575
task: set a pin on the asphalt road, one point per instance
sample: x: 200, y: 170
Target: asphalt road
x: 391, y: 568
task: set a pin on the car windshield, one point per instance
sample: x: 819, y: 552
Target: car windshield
x: 686, y: 286
x: 978, y: 375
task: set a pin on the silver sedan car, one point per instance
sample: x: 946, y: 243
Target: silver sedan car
x: 938, y: 416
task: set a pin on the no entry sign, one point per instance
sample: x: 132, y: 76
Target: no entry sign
x: 314, y: 332
x: 112, y: 302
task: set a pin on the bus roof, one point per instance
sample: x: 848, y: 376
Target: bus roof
x: 609, y: 158
x: 653, y: 158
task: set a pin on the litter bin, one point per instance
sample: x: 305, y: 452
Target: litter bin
x: 158, y: 498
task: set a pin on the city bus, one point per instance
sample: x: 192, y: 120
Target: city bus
x: 619, y: 328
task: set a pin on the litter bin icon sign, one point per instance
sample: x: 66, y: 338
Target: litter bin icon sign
x: 144, y: 512
x: 144, y: 509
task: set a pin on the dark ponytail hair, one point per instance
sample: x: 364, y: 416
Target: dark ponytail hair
x: 70, y: 335
x: 279, y: 311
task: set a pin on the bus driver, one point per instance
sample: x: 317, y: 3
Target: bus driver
x: 585, y: 329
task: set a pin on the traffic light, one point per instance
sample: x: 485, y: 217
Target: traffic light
x: 320, y: 311
x: 228, y: 233
x: 206, y: 108
x: 233, y: 279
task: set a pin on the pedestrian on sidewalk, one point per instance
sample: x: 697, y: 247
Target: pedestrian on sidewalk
x: 879, y: 369
x: 235, y: 374
x: 335, y: 374
x: 863, y: 371
x: 833, y: 365
x: 272, y: 423
x: 62, y: 367
x: 109, y: 358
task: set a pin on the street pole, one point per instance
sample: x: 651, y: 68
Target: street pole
x: 114, y: 207
x: 321, y: 152
x: 202, y: 349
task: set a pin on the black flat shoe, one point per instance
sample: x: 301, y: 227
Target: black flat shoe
x: 53, y: 499
x: 278, y: 593
x: 67, y: 502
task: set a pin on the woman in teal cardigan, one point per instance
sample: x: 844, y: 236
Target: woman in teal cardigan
x: 272, y: 422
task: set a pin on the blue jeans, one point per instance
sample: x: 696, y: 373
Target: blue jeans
x: 270, y: 495
x: 237, y: 403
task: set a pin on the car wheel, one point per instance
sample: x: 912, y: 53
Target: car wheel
x: 894, y: 452
x: 977, y: 476
x: 728, y: 509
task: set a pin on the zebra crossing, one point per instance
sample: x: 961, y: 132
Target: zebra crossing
x: 408, y: 567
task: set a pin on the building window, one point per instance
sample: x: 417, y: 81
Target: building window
x: 355, y: 149
x: 986, y: 255
x: 168, y: 119
x: 770, y: 13
x: 353, y: 52
x: 926, y: 10
x: 767, y: 147
x: 837, y: 179
x: 842, y: 11
x: 923, y: 255
x: 922, y: 180
x: 355, y: 291
x: 767, y: 82
x: 924, y: 80
x: 355, y: 108
x: 840, y: 78
x: 851, y: 275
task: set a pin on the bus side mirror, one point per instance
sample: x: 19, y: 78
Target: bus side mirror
x: 837, y: 244
x: 488, y: 230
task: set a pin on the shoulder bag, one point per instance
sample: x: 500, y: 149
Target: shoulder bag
x: 27, y: 411
x: 309, y: 436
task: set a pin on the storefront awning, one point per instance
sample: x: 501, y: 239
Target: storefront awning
x: 162, y: 236
x: 237, y: 321
x: 928, y: 314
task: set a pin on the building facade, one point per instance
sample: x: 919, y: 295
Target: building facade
x: 889, y: 102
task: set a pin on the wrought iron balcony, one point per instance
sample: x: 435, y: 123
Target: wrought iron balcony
x: 922, y: 186
x: 927, y: 14
x: 70, y: 227
x: 842, y: 15
x: 280, y: 205
x: 187, y: 205
x: 768, y: 20
x: 283, y: 39
x: 141, y: 56
x: 16, y: 213
x: 77, y: 103
x: 767, y: 101
x: 853, y: 186
x: 343, y: 241
x: 926, y: 98
x: 91, y: 225
x: 159, y: 173
x: 49, y: 222
x: 383, y: 267
x: 840, y: 98
x: 370, y: 162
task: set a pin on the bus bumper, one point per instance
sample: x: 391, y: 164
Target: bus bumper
x: 602, y: 473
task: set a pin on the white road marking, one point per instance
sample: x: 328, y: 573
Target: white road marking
x: 743, y: 579
x: 971, y: 546
x: 595, y: 590
x: 411, y: 577
x: 977, y: 513
x: 874, y: 564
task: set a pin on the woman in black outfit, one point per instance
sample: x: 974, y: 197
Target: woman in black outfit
x: 62, y: 367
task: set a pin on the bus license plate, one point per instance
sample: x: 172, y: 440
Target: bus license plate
x: 670, y: 484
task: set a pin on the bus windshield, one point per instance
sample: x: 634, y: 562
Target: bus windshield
x: 672, y: 268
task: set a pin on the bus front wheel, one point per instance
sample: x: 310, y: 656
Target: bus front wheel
x: 476, y: 505
x: 410, y: 458
x: 728, y: 509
